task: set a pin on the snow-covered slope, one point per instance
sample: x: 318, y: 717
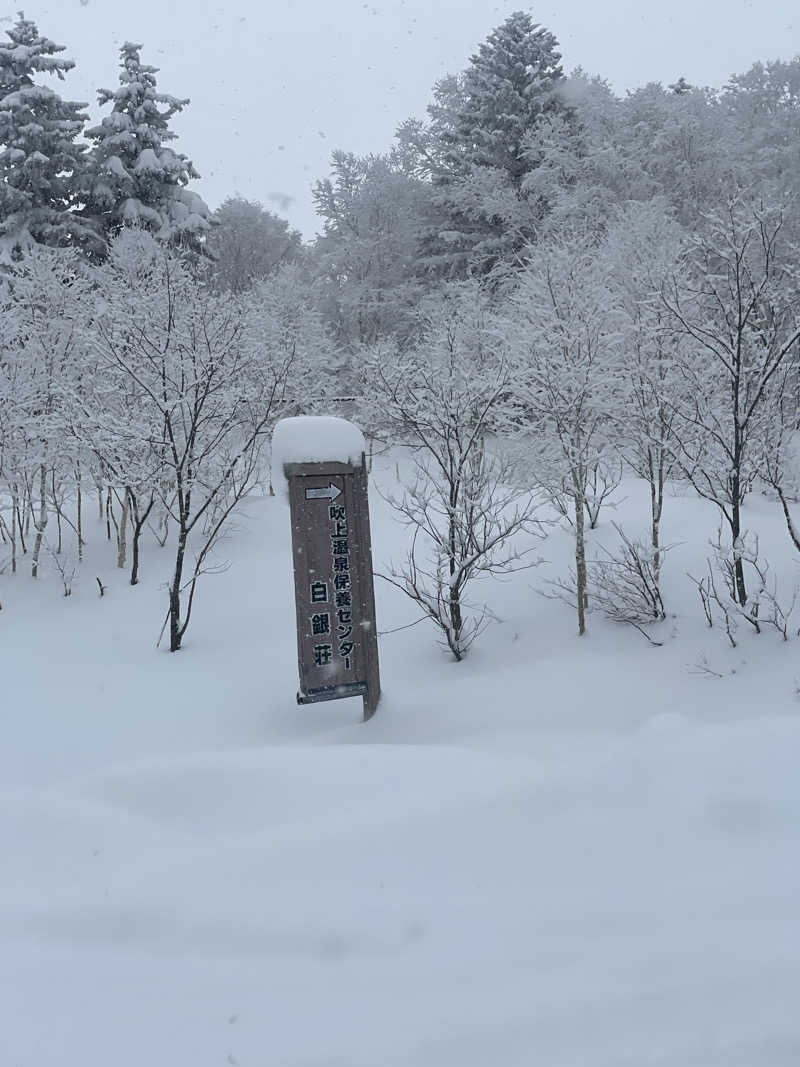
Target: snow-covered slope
x: 561, y: 852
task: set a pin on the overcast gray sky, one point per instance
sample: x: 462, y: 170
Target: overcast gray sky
x: 277, y: 84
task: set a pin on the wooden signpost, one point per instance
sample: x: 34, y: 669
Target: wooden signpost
x: 337, y: 640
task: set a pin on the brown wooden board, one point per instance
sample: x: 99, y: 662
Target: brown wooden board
x: 337, y: 645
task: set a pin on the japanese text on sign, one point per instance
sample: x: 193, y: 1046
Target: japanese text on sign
x: 337, y: 621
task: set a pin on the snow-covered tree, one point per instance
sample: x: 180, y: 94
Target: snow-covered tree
x: 206, y: 395
x: 286, y: 324
x: 464, y: 512
x: 762, y: 110
x: 424, y: 144
x: 373, y: 213
x: 12, y: 420
x: 734, y: 305
x: 640, y: 251
x: 247, y: 243
x: 42, y: 161
x: 50, y: 300
x: 677, y: 145
x: 510, y: 83
x: 508, y: 91
x: 135, y: 178
x: 652, y: 143
x: 563, y: 345
x: 120, y: 432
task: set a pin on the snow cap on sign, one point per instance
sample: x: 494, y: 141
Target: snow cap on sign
x: 315, y: 439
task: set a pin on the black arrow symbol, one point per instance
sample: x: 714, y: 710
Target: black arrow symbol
x: 328, y: 492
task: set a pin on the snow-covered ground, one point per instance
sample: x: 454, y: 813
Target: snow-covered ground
x: 561, y: 852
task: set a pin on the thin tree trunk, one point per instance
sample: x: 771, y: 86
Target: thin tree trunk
x: 184, y: 501
x: 20, y: 529
x: 138, y: 526
x: 656, y: 509
x: 790, y: 526
x: 80, y: 521
x: 456, y: 619
x: 28, y: 507
x: 57, y: 508
x: 580, y: 560
x: 14, y: 514
x: 41, y: 525
x: 736, y: 483
x: 122, y: 536
x: 736, y: 530
x: 109, y: 513
x: 457, y: 624
x: 164, y: 524
x: 175, y: 594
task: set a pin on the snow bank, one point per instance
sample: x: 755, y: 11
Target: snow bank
x: 314, y: 439
x: 556, y: 853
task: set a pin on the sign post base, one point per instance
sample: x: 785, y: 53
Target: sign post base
x: 370, y: 705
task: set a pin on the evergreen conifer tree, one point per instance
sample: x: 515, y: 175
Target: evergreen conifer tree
x: 135, y: 178
x: 487, y: 137
x: 509, y: 85
x: 42, y: 165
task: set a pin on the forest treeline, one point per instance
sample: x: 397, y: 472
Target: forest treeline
x: 539, y: 286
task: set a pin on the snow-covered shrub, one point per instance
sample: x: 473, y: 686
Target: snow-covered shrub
x: 625, y: 584
x: 718, y: 590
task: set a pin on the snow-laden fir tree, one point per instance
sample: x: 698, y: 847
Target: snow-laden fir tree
x: 42, y: 163
x: 486, y: 131
x: 136, y: 179
x: 509, y: 85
